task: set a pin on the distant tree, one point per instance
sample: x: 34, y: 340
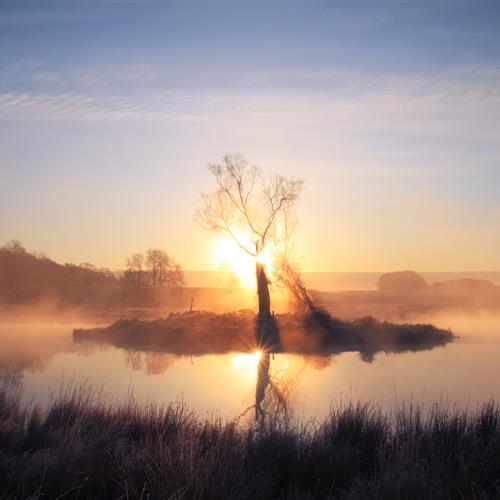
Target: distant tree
x: 401, y: 281
x: 135, y: 269
x: 162, y: 269
x: 157, y: 262
x: 14, y: 246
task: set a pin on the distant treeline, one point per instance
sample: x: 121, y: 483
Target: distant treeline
x: 406, y: 294
x: 156, y: 268
x: 153, y: 278
x: 27, y: 277
x: 410, y: 281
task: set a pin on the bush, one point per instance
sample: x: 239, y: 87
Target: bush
x: 401, y: 281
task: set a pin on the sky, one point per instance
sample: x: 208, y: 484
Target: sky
x: 389, y: 112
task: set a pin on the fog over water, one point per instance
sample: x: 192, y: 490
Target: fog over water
x: 42, y: 357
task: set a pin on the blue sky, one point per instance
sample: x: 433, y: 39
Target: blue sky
x: 390, y: 112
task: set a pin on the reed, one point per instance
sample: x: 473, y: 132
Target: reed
x: 83, y: 447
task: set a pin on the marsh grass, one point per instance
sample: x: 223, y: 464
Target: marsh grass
x: 83, y: 447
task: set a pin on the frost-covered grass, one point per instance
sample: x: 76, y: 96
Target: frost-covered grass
x: 83, y: 447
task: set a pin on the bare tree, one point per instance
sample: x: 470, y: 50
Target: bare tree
x: 14, y: 246
x: 157, y: 261
x: 248, y: 209
x: 162, y: 269
x: 135, y: 269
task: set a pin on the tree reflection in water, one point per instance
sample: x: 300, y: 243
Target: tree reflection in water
x: 318, y: 335
x: 273, y: 391
x: 270, y: 396
x: 262, y: 383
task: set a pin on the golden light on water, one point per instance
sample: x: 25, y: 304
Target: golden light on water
x: 246, y: 363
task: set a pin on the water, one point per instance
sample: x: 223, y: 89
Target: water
x: 465, y: 372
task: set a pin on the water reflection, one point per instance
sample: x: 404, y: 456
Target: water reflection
x: 263, y: 383
x: 31, y: 347
x: 154, y: 363
x: 201, y: 333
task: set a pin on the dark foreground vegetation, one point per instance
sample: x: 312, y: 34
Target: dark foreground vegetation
x: 199, y: 333
x: 81, y: 447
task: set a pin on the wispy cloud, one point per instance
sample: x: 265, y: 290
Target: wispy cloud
x: 40, y: 74
x: 461, y: 104
x: 34, y: 16
x: 28, y: 106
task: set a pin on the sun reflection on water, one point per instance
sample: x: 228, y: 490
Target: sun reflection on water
x: 246, y: 363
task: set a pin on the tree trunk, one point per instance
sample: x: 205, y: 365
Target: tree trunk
x: 266, y: 328
x: 263, y: 290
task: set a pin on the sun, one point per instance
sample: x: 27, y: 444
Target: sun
x: 230, y: 256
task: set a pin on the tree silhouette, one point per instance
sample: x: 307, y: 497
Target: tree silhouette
x: 249, y: 209
x: 156, y: 269
x: 163, y: 271
x: 14, y: 246
x: 135, y: 269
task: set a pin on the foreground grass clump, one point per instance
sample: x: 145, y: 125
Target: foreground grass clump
x: 81, y: 447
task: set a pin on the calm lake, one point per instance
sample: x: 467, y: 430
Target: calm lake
x: 466, y: 372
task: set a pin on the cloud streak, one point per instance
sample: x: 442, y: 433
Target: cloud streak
x: 453, y: 105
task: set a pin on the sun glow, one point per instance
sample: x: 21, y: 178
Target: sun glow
x: 264, y: 257
x: 230, y: 256
x: 246, y: 363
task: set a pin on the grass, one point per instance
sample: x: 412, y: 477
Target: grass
x: 82, y: 447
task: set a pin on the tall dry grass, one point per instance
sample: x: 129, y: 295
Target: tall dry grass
x: 82, y: 447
